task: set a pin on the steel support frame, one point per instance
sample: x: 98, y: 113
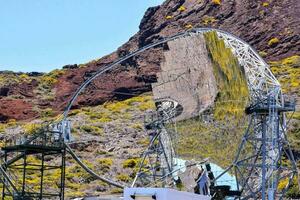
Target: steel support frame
x: 25, y: 192
x: 260, y: 79
x: 261, y: 83
x: 3, y: 184
x: 158, y: 157
x: 258, y: 163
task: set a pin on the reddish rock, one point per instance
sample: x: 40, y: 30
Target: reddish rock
x: 247, y: 19
x: 16, y: 109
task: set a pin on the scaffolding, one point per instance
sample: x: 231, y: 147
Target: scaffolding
x: 17, y: 167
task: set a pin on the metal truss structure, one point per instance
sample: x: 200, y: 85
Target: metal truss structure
x: 259, y: 76
x: 158, y: 160
x: 261, y: 80
x: 259, y: 164
x: 258, y: 172
x: 24, y: 157
x: 262, y: 85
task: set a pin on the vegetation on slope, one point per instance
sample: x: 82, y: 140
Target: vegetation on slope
x: 44, y: 90
x: 10, y: 78
x: 112, y: 133
x: 288, y: 73
x: 206, y: 136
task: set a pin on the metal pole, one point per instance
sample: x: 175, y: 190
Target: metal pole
x: 165, y: 155
x: 42, y: 176
x: 144, y: 158
x: 3, y: 189
x: 24, y: 174
x: 263, y: 178
x: 62, y: 183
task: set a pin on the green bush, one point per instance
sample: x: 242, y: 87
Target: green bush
x: 117, y: 107
x: 130, y: 163
x: 123, y: 177
x: 2, y: 127
x: 48, y: 80
x: 25, y: 78
x: 181, y: 9
x: 169, y: 17
x: 288, y: 73
x: 74, y: 112
x: 188, y: 26
x: 293, y: 191
x: 148, y: 105
x: 105, y: 163
x: 273, y: 42
x: 116, y: 191
x: 92, y: 129
x: 31, y: 128
x: 137, y: 126
x: 263, y: 54
x: 206, y: 20
x: 48, y: 112
x: 9, y: 78
x: 216, y: 2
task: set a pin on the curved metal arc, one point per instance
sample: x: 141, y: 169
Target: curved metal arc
x: 111, y: 66
x: 90, y: 171
x: 167, y: 39
x: 263, y: 73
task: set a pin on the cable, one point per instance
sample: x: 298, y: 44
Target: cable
x: 223, y: 34
x: 90, y: 171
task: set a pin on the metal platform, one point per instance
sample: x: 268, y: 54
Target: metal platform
x: 17, y: 166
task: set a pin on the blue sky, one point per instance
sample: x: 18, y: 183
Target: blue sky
x: 42, y: 35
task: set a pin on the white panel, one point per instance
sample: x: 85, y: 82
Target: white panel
x: 161, y: 194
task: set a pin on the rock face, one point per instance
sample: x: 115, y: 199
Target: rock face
x: 186, y: 76
x: 270, y: 27
x: 16, y: 109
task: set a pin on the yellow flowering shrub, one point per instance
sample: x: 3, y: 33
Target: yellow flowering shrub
x: 188, y: 26
x: 181, y: 8
x: 273, y: 41
x: 216, y: 2
x: 265, y: 4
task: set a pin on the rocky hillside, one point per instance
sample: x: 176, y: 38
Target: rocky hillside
x: 272, y: 27
x: 113, y: 131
